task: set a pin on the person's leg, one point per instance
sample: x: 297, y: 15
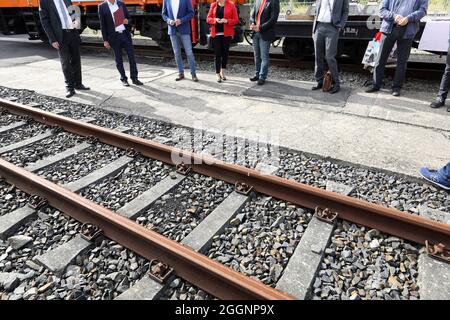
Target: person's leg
x: 117, y: 48
x: 128, y: 44
x: 187, y: 45
x: 386, y: 44
x: 225, y: 51
x: 176, y: 46
x: 218, y: 41
x: 75, y: 60
x: 445, y: 82
x: 445, y: 172
x: 64, y: 57
x: 331, y: 43
x: 440, y: 178
x: 265, y: 60
x: 403, y: 51
x: 319, y: 53
x: 257, y: 53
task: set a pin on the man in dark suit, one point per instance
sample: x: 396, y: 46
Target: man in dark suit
x: 64, y: 36
x: 116, y: 36
x: 263, y: 19
x: 331, y: 17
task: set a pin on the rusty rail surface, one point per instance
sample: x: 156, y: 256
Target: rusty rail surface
x: 392, y: 221
x: 210, y: 275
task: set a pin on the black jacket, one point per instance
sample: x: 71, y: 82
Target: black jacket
x: 269, y: 18
x: 107, y: 22
x: 50, y: 20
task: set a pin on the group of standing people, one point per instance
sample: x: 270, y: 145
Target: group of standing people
x: 400, y: 23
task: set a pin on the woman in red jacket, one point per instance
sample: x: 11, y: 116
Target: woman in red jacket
x: 222, y: 17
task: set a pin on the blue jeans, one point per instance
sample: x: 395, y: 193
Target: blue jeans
x: 445, y: 172
x: 123, y: 42
x: 261, y: 49
x: 184, y: 40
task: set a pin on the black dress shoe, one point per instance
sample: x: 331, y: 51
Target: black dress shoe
x: 180, y: 77
x: 317, y: 86
x: 125, y: 83
x: 437, y: 104
x: 261, y: 82
x: 137, y: 82
x: 70, y: 93
x: 396, y: 92
x: 372, y: 89
x: 255, y: 78
x: 82, y: 87
x: 335, y: 89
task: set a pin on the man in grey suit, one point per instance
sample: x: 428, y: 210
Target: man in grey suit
x: 331, y: 17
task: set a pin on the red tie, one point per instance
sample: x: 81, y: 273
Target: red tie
x: 261, y: 6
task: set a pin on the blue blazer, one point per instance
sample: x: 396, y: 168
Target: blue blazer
x: 107, y: 22
x: 185, y: 14
x: 387, y: 14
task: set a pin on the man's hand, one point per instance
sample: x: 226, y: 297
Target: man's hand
x: 125, y: 21
x: 55, y: 45
x: 218, y: 20
x: 404, y: 21
x: 172, y: 22
x: 398, y: 18
x: 106, y: 44
x: 256, y: 28
x: 252, y: 26
x: 223, y: 20
x: 177, y: 22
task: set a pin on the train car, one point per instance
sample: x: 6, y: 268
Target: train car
x: 22, y: 17
x: 295, y: 28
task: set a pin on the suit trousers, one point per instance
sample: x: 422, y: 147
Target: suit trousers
x: 403, y: 51
x: 445, y: 172
x: 445, y: 82
x: 69, y: 55
x: 326, y: 38
x: 124, y: 42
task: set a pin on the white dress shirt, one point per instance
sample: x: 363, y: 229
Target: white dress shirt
x: 66, y: 20
x: 324, y: 14
x: 175, y: 7
x: 113, y: 7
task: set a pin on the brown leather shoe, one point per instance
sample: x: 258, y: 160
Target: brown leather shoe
x: 180, y: 77
x: 194, y: 78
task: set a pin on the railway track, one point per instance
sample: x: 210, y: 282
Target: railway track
x: 110, y: 216
x: 415, y: 70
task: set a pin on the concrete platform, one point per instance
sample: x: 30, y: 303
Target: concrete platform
x: 378, y: 130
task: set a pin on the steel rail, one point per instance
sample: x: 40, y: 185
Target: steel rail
x: 389, y: 220
x: 210, y: 275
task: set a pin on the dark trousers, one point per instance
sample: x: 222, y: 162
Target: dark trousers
x: 221, y: 49
x: 326, y: 38
x: 124, y: 42
x: 403, y: 51
x: 445, y: 82
x: 69, y: 55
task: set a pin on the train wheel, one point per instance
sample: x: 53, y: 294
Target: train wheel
x: 164, y: 45
x: 292, y: 48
